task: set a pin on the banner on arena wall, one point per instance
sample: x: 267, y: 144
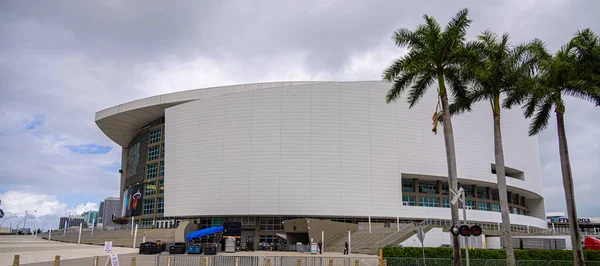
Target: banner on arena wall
x: 133, y: 198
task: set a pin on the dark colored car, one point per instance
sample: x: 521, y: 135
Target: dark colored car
x: 177, y: 248
x: 149, y: 248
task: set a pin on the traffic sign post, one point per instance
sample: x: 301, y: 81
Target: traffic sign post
x: 460, y: 195
x: 421, y: 237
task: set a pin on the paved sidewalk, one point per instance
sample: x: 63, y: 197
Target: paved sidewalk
x: 33, y: 250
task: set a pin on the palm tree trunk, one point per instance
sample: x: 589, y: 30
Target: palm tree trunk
x: 565, y: 165
x: 451, y: 162
x: 502, y: 191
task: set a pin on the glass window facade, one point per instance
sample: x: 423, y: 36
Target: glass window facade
x: 408, y: 186
x: 409, y: 200
x: 151, y: 170
x: 162, y: 154
x: 470, y: 204
x: 468, y: 190
x: 495, y: 195
x: 153, y: 153
x: 161, y: 186
x: 244, y: 220
x: 429, y: 202
x: 148, y: 206
x: 160, y: 205
x: 445, y: 189
x: 495, y: 207
x: 162, y: 168
x: 429, y: 193
x: 150, y: 189
x: 483, y: 206
x: 428, y: 187
x: 155, y: 135
x: 270, y: 224
x: 482, y: 193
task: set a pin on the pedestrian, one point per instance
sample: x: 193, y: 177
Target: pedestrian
x: 320, y: 247
x: 346, y: 248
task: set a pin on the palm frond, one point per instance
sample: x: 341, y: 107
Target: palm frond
x: 583, y: 90
x: 400, y: 84
x: 457, y: 83
x: 458, y: 25
x: 408, y: 38
x: 420, y: 87
x: 390, y: 73
x: 540, y: 120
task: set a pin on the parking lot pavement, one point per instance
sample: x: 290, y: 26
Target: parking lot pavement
x: 33, y: 250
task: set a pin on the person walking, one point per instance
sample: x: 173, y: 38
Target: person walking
x: 346, y: 248
x: 320, y: 247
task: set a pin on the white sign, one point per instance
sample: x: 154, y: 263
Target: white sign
x: 107, y: 246
x: 457, y: 195
x: 114, y: 260
x: 421, y: 235
x: 313, y: 248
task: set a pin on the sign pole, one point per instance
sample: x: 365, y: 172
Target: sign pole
x: 465, y: 221
x: 135, y: 236
x: 79, y: 238
x: 93, y: 225
x: 65, y: 231
x: 132, y: 222
x: 421, y: 237
x: 50, y: 235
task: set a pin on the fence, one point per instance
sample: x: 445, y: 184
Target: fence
x: 184, y: 260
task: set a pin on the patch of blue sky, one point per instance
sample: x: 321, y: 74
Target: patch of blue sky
x: 89, y: 149
x: 112, y: 168
x: 37, y: 121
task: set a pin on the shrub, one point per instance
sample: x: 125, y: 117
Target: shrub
x: 526, y: 254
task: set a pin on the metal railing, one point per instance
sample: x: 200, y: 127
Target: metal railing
x: 183, y: 260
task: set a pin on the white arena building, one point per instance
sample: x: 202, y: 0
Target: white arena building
x: 268, y: 152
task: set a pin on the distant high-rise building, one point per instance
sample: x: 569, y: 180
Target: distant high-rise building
x: 111, y: 210
x: 101, y: 212
x: 71, y: 221
x: 91, y: 217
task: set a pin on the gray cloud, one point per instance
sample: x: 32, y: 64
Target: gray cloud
x: 65, y: 60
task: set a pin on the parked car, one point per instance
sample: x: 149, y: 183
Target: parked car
x: 177, y: 248
x: 149, y: 248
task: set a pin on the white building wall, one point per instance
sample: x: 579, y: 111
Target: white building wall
x: 334, y: 149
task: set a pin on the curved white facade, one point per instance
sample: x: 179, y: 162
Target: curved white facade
x: 321, y: 149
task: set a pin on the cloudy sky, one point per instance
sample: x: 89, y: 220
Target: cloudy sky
x: 62, y: 61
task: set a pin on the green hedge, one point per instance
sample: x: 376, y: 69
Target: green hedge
x: 529, y: 254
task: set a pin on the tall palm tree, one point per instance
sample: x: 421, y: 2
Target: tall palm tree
x: 500, y: 67
x: 567, y: 73
x: 434, y: 54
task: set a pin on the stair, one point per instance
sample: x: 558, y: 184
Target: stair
x: 121, y: 238
x: 366, y: 242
